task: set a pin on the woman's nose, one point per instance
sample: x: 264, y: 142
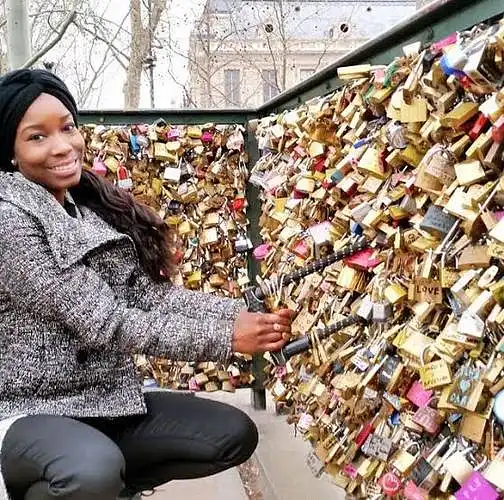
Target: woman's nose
x: 61, y: 145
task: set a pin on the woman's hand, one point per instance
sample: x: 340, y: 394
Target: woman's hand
x: 261, y: 332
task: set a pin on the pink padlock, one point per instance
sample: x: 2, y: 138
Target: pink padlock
x: 99, y: 167
x: 476, y: 488
x: 207, y: 136
x: 302, y: 249
x: 173, y: 134
x: 418, y: 395
x: 193, y: 385
x: 261, y: 251
x: 363, y: 260
x: 413, y: 492
x: 350, y: 471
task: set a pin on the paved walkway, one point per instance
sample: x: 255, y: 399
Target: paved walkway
x: 279, y: 458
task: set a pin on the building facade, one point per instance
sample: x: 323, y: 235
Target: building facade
x: 244, y: 52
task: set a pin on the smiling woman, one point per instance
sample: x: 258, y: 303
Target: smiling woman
x: 84, y: 284
x: 48, y: 148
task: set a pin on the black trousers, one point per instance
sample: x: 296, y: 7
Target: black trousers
x: 181, y: 437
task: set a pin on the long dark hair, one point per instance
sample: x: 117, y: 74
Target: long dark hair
x: 154, y: 240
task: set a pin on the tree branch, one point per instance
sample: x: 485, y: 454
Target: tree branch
x: 44, y: 50
x: 108, y: 43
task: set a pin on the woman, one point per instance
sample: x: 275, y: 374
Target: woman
x: 82, y: 287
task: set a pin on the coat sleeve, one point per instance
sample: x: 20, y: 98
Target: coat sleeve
x: 82, y: 301
x: 165, y: 297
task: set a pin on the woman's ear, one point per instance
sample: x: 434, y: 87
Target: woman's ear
x: 14, y: 162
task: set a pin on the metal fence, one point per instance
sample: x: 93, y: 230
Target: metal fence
x: 434, y: 22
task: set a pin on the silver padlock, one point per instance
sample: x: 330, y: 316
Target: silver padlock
x: 365, y: 310
x: 382, y: 311
x: 243, y: 244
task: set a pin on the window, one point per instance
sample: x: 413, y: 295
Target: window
x: 270, y: 86
x: 232, y: 87
x: 305, y: 73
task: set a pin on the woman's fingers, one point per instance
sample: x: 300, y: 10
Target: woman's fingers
x: 274, y: 346
x: 286, y: 313
x: 275, y: 328
x: 272, y: 318
x: 268, y: 338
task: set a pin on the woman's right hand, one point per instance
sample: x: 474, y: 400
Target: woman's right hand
x: 260, y: 332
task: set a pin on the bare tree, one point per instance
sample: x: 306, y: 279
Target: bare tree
x: 97, y: 38
x: 142, y: 35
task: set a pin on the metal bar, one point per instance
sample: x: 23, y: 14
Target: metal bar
x: 258, y: 393
x: 434, y: 22
x: 172, y: 116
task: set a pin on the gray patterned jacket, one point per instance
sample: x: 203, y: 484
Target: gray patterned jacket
x: 74, y: 306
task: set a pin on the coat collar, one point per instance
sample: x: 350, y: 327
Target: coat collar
x: 69, y: 238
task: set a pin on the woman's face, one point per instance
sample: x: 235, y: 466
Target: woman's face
x: 49, y: 148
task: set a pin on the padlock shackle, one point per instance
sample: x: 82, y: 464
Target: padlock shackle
x: 304, y: 343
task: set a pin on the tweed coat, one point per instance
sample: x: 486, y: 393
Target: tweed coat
x: 75, y: 305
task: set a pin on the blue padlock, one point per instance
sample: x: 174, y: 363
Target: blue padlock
x: 135, y: 148
x: 337, y: 176
x: 356, y: 229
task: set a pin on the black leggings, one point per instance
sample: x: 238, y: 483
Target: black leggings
x: 181, y: 437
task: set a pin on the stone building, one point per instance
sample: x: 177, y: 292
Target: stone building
x: 244, y: 52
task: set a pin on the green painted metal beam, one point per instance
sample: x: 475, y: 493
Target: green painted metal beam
x: 432, y: 23
x: 171, y: 116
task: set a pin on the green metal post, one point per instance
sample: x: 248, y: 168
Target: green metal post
x: 258, y: 393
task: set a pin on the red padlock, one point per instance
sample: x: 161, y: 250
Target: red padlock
x: 479, y: 126
x: 319, y: 165
x: 365, y: 432
x: 123, y: 178
x: 238, y: 204
x: 498, y: 130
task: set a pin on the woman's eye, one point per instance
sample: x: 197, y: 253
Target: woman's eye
x: 36, y: 137
x: 69, y: 127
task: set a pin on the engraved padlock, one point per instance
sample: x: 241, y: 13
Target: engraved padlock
x: 429, y: 418
x: 243, y: 244
x: 477, y: 488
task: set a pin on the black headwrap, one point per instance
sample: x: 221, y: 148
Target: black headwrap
x: 18, y: 90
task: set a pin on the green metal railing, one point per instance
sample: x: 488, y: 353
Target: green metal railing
x: 434, y: 22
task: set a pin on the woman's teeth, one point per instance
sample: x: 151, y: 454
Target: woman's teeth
x: 67, y: 166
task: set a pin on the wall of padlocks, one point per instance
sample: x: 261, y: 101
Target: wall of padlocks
x: 194, y: 177
x: 409, y: 400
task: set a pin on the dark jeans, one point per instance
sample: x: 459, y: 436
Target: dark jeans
x: 181, y: 437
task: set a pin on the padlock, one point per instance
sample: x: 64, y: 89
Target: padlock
x: 378, y: 446
x: 382, y: 311
x: 99, y: 167
x: 243, y: 244
x: 123, y: 178
x: 458, y: 466
x: 477, y: 488
x: 418, y: 395
x: 403, y: 461
x: 429, y: 418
